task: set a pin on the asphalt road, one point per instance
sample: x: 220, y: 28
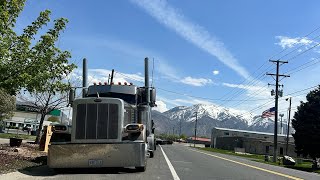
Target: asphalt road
x: 176, y: 162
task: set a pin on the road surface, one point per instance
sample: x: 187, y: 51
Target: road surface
x: 176, y: 162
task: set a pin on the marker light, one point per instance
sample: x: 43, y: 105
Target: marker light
x: 125, y: 83
x: 105, y: 83
x: 59, y: 128
x: 133, y: 128
x: 131, y: 84
x: 100, y: 84
x: 119, y: 83
x: 94, y: 83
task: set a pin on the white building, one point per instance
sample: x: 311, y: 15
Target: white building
x: 251, y: 141
x: 26, y: 115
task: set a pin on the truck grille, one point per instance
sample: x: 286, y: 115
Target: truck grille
x: 97, y: 121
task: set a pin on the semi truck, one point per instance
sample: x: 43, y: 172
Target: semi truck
x: 111, y: 127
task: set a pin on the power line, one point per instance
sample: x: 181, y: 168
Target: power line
x: 308, y: 34
x: 294, y: 57
x: 206, y: 98
x: 239, y: 92
x: 296, y: 69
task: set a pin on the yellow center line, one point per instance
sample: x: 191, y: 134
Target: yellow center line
x: 248, y: 165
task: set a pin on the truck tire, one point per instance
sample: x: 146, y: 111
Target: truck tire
x: 151, y: 154
x: 141, y: 168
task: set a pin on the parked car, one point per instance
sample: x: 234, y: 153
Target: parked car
x: 163, y: 142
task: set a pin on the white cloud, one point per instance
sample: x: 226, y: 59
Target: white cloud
x: 215, y: 72
x: 102, y: 75
x: 287, y: 42
x: 196, y: 81
x: 161, y: 65
x: 168, y: 101
x: 118, y: 75
x: 242, y: 86
x: 192, y: 101
x: 166, y: 70
x: 199, y: 36
x: 161, y: 106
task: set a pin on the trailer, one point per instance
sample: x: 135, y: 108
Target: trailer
x: 111, y: 127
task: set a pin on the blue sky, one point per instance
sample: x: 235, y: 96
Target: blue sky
x: 206, y: 48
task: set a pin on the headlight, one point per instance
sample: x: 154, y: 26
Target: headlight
x: 132, y: 128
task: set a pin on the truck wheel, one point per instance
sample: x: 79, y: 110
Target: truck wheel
x: 151, y: 154
x: 141, y: 168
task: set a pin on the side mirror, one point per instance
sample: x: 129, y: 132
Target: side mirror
x: 71, y: 96
x: 153, y: 97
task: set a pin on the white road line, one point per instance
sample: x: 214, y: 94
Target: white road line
x: 173, y: 172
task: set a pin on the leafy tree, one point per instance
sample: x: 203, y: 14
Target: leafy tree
x: 183, y: 136
x: 27, y: 62
x: 7, y: 106
x: 53, y: 119
x: 37, y: 65
x: 306, y: 123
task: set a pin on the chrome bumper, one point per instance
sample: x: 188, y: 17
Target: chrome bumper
x: 107, y: 155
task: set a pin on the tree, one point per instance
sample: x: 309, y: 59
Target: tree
x: 36, y: 65
x: 27, y: 62
x: 306, y: 123
x: 53, y: 119
x: 47, y: 101
x: 183, y: 136
x: 7, y: 106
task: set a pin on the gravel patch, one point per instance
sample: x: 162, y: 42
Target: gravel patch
x: 13, y: 158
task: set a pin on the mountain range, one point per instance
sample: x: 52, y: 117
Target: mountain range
x: 181, y: 120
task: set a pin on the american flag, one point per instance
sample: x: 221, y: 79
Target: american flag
x: 268, y: 113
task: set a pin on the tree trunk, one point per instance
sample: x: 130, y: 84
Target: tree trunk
x: 43, y: 115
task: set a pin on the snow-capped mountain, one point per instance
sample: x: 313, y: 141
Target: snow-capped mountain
x: 203, y: 110
x: 182, y: 118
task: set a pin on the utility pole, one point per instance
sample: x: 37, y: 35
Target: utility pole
x: 281, y: 130
x: 275, y: 138
x: 195, y: 130
x: 288, y: 128
x: 180, y: 128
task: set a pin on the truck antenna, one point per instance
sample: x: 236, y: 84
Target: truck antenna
x: 112, y: 74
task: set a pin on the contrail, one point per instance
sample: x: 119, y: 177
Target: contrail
x: 199, y: 36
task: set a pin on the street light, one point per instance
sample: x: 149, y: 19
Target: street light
x: 287, y: 144
x: 281, y: 129
x: 195, y: 130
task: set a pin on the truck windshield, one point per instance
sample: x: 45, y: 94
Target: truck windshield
x: 129, y: 98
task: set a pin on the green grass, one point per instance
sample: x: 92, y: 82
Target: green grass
x: 22, y: 136
x: 304, y: 166
x: 254, y: 156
